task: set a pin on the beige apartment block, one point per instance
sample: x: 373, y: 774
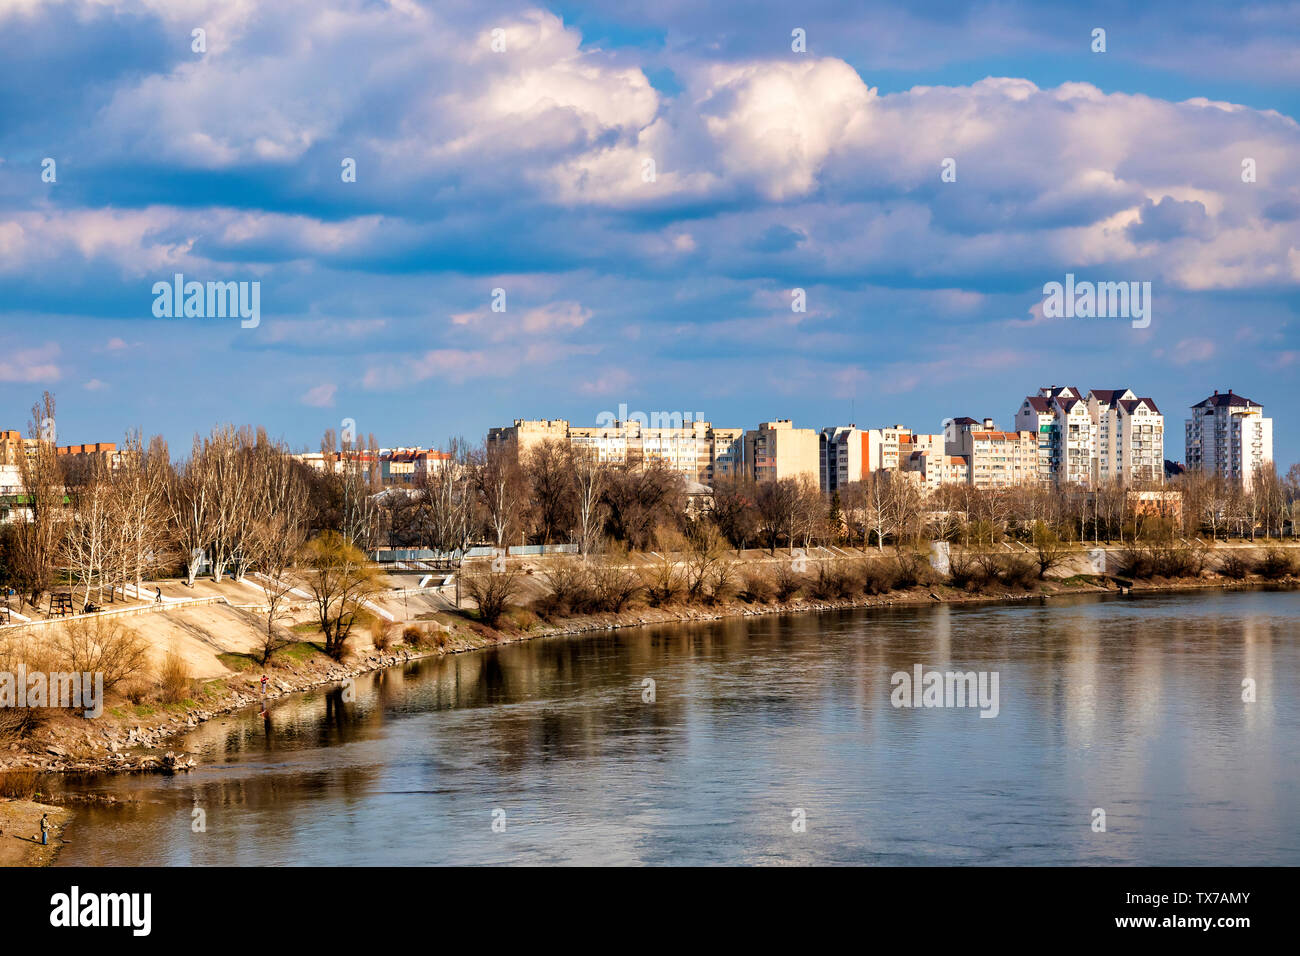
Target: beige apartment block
x: 994, y: 459
x: 777, y: 450
x: 14, y: 447
x: 927, y: 457
x: 526, y: 434
x: 696, y: 449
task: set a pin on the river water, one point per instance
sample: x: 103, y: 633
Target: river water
x: 769, y: 740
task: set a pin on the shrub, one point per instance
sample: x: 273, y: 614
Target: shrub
x: 613, y: 582
x: 876, y: 577
x: 413, y: 635
x: 965, y: 572
x: 383, y: 633
x: 103, y: 645
x: 173, y: 679
x: 788, y: 583
x: 19, y: 784
x: 1234, y: 567
x: 913, y: 569
x: 1276, y: 564
x: 662, y: 581
x: 1134, y: 563
x: 492, y: 591
x: 757, y: 588
x: 1018, y: 572
x: 569, y: 589
x: 830, y: 583
x: 1161, y: 560
x: 19, y: 723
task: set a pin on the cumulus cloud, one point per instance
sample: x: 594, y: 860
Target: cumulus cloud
x: 617, y: 206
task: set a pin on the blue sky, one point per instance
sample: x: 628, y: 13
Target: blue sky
x: 524, y: 169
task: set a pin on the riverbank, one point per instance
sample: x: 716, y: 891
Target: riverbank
x: 20, y: 832
x: 133, y: 738
x: 144, y: 744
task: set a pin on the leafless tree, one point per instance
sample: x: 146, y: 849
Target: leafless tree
x: 588, y: 497
x: 546, y: 467
x: 734, y: 511
x: 87, y: 545
x: 502, y: 491
x: 36, y: 540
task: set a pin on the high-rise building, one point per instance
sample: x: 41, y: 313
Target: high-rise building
x: 778, y: 450
x: 1229, y: 437
x: 929, y: 459
x: 1103, y: 436
x: 845, y: 454
x: 994, y: 458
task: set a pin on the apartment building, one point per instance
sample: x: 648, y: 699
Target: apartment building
x: 927, y: 457
x: 407, y: 466
x: 849, y: 453
x: 104, y: 452
x: 696, y: 449
x: 844, y: 453
x: 14, y: 447
x: 1087, y: 439
x: 1130, y: 437
x: 1229, y: 437
x: 393, y: 466
x: 993, y: 458
x: 888, y: 446
x: 778, y: 450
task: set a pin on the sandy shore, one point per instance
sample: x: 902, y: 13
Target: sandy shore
x: 20, y: 832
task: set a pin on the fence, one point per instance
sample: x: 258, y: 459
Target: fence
x: 173, y: 605
x: 429, y: 556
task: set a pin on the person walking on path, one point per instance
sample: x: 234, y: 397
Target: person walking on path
x: 45, y: 829
x: 157, y: 596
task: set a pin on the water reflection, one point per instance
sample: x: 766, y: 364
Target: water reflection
x: 1130, y: 705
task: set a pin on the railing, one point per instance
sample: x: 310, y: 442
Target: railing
x: 174, y: 604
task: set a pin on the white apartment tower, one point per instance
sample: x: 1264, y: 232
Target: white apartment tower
x: 1229, y: 437
x: 1103, y: 436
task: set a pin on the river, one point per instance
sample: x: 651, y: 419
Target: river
x: 766, y: 740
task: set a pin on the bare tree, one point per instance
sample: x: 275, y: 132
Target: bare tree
x: 546, y: 466
x: 492, y: 591
x: 138, y: 508
x: 502, y: 491
x: 733, y: 510
x: 588, y: 493
x: 86, y: 550
x: 192, y: 511
x: 276, y: 535
x: 36, y: 541
x: 776, y: 503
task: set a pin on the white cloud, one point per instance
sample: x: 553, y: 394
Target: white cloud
x: 320, y: 396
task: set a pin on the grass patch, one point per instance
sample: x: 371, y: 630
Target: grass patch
x: 1079, y: 580
x: 298, y: 652
x: 306, y: 627
x: 238, y: 662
